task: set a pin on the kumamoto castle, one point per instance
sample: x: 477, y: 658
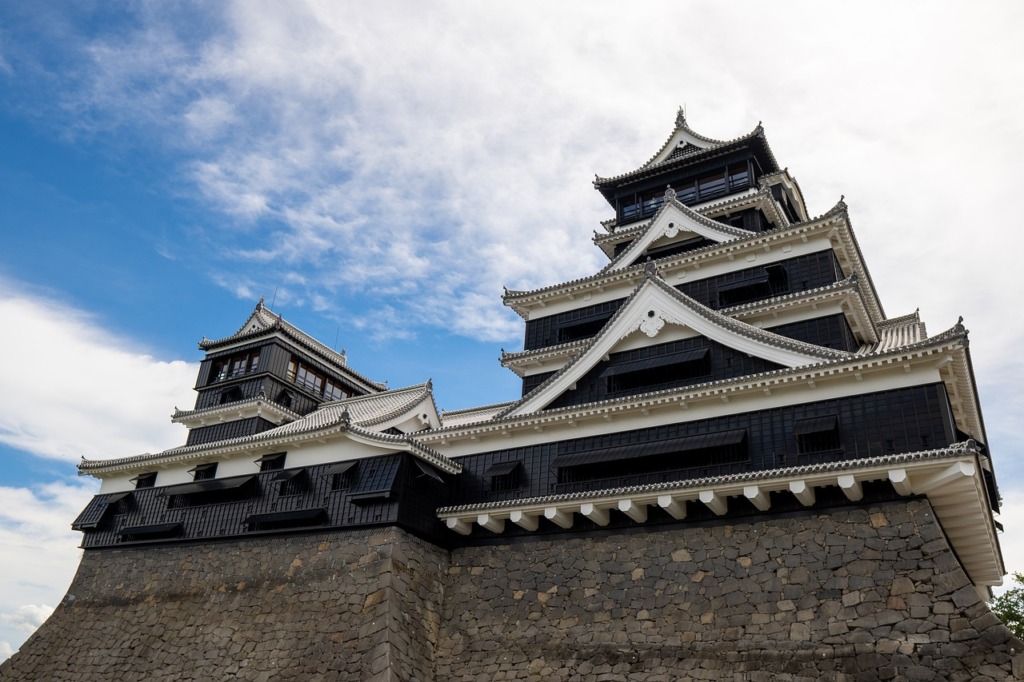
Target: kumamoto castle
x: 727, y: 462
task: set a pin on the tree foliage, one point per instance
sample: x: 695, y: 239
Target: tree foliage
x: 1009, y: 606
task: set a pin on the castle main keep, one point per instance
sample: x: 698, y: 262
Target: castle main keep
x: 726, y: 462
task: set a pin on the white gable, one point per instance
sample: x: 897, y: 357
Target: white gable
x: 674, y: 222
x: 655, y: 306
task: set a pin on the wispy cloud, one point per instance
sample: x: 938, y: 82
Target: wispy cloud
x: 80, y: 391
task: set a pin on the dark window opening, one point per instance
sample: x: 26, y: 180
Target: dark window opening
x: 739, y: 176
x: 231, y: 395
x: 147, y: 480
x: 274, y: 462
x: 287, y: 519
x: 301, y: 374
x: 817, y: 435
x: 211, y: 491
x: 292, y: 482
x: 234, y: 366
x: 639, y: 464
x: 204, y: 472
x: 581, y: 329
x: 678, y: 247
x: 425, y: 472
x: 771, y: 281
x: 154, y: 531
x: 285, y: 398
x: 662, y: 371
x: 342, y: 475
x: 121, y: 503
x: 504, y: 476
x: 711, y: 186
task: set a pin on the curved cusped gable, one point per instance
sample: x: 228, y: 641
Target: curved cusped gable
x: 674, y: 221
x: 652, y: 307
x: 682, y: 138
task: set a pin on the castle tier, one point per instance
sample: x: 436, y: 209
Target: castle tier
x: 732, y: 359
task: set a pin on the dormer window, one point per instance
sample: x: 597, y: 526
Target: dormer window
x: 232, y: 395
x: 817, y: 435
x: 204, y: 472
x: 274, y: 462
x: 147, y: 480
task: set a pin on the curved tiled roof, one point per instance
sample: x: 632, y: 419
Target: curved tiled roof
x: 353, y: 415
x: 266, y: 321
x: 713, y: 146
x: 837, y: 216
x: 714, y: 317
x: 900, y: 331
x: 725, y: 232
x: 634, y: 271
x: 227, y: 408
x: 471, y: 415
x: 956, y: 336
x: 775, y: 302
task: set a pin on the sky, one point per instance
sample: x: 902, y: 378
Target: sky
x: 380, y: 171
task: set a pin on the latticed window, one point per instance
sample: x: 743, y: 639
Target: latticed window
x: 204, y: 472
x: 818, y: 434
x: 234, y: 366
x: 274, y: 462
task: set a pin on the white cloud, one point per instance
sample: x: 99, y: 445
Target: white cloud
x: 40, y: 551
x: 418, y: 160
x: 453, y: 157
x: 28, y: 617
x: 79, y: 391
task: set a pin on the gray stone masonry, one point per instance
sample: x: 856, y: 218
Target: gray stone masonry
x: 871, y: 593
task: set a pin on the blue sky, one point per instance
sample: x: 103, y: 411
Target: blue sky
x: 381, y: 173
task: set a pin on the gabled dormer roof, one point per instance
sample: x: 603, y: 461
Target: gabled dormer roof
x: 845, y: 293
x: 366, y: 419
x: 685, y: 146
x: 674, y: 219
x: 263, y: 322
x: 653, y: 305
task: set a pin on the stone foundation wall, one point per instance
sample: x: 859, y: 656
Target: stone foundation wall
x: 854, y: 594
x: 339, y: 606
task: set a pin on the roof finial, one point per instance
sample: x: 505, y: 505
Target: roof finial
x: 650, y: 269
x: 669, y: 193
x: 681, y: 117
x: 346, y: 419
x: 259, y: 304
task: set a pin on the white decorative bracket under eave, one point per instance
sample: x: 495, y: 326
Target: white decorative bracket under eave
x: 953, y: 485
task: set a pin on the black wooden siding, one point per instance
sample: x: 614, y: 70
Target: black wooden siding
x: 831, y: 331
x: 680, y: 176
x: 399, y: 490
x: 722, y: 363
x: 393, y: 490
x: 801, y: 273
x: 870, y: 425
x: 270, y: 377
